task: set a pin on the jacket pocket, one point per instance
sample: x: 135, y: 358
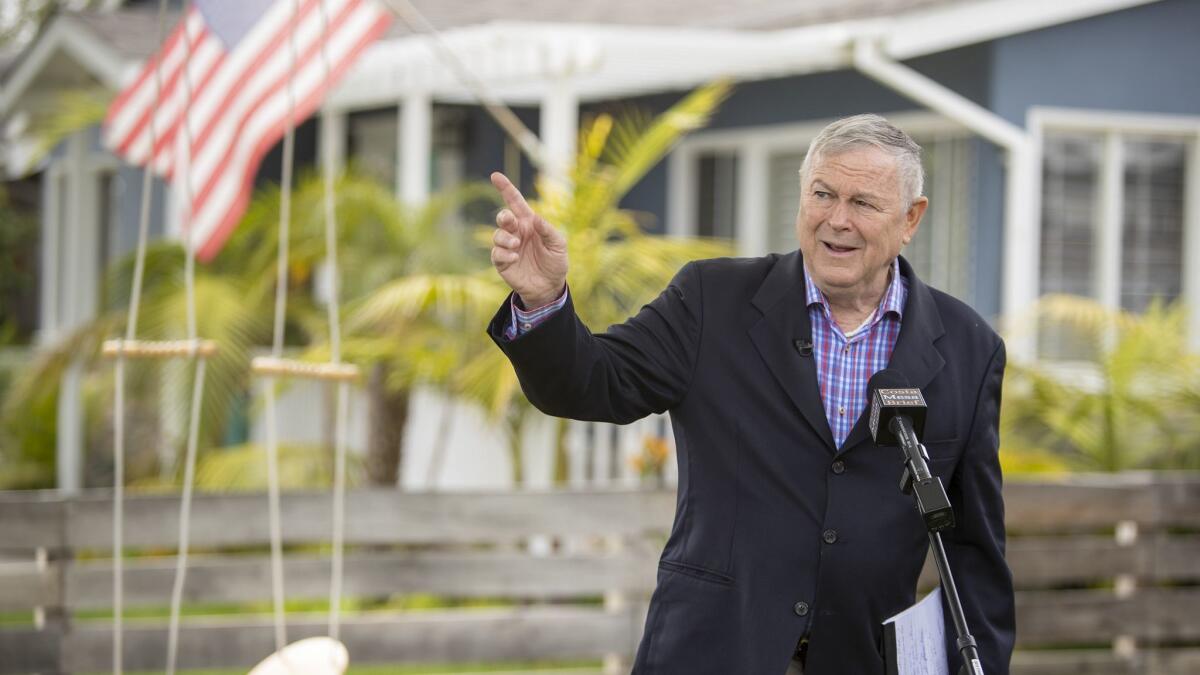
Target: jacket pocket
x: 696, y: 572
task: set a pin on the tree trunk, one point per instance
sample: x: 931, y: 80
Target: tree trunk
x: 387, y: 415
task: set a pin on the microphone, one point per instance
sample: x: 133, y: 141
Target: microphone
x: 898, y: 420
x: 804, y: 346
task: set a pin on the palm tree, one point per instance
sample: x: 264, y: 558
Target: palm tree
x: 223, y: 314
x: 615, y: 266
x: 1134, y: 406
x: 381, y: 241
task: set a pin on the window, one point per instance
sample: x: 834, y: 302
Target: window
x: 1070, y: 175
x: 716, y: 196
x: 372, y: 142
x: 1113, y: 218
x: 941, y: 252
x: 784, y: 199
x: 108, y: 218
x: 1152, y: 228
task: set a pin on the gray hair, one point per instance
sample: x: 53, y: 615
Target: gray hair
x: 871, y: 130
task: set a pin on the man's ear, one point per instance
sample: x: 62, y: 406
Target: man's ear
x: 912, y: 218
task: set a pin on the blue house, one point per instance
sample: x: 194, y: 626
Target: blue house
x: 1062, y: 139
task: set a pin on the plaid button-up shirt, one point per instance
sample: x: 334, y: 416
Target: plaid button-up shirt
x: 846, y: 362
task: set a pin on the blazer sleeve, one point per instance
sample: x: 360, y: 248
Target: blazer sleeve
x: 641, y: 366
x: 975, y: 546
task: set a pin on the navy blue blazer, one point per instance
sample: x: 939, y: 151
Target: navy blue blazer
x: 778, y: 535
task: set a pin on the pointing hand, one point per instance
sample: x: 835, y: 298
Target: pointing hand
x: 528, y: 252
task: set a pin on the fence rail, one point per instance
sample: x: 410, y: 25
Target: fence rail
x: 1107, y: 571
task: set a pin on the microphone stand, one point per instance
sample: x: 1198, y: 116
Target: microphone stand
x: 938, y: 515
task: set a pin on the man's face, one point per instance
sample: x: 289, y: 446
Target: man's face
x: 853, y: 221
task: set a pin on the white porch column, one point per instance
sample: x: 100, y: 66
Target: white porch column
x: 559, y: 129
x: 75, y: 246
x: 1107, y: 254
x: 69, y: 438
x: 754, y: 196
x: 1191, y: 242
x: 1021, y: 276
x: 332, y: 134
x: 51, y: 271
x: 331, y: 151
x: 416, y: 147
x: 681, y: 176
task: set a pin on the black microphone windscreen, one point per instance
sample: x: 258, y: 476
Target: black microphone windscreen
x: 890, y: 396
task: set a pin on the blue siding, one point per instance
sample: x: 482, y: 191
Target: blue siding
x: 987, y: 229
x: 485, y: 145
x: 128, y: 210
x: 1141, y: 59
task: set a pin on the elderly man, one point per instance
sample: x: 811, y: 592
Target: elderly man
x: 791, y: 541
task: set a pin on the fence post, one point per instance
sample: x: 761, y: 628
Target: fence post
x: 56, y: 618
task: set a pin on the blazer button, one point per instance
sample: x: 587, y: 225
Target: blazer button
x: 829, y: 536
x: 801, y: 609
x: 839, y: 467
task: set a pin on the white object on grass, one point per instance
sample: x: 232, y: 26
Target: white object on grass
x: 311, y: 656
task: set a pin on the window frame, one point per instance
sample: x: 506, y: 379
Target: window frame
x: 1114, y: 127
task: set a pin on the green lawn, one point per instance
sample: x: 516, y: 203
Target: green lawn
x: 450, y: 669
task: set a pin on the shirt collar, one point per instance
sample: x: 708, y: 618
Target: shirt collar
x: 893, y: 297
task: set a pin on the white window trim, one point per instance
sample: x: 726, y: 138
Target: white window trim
x: 753, y: 146
x: 1113, y: 125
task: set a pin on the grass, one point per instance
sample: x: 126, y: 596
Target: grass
x: 435, y: 669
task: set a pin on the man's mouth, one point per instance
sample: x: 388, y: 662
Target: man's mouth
x: 834, y: 248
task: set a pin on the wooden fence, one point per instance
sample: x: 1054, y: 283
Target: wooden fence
x: 1107, y: 570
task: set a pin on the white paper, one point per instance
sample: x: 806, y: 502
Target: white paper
x: 921, y: 637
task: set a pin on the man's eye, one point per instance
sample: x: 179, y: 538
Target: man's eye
x: 864, y: 204
x: 821, y: 194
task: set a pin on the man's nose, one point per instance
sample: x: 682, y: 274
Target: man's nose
x: 839, y: 216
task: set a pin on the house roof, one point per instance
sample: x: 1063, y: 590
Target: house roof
x: 727, y: 14
x: 112, y: 43
x: 600, y: 49
x: 644, y: 46
x: 132, y: 30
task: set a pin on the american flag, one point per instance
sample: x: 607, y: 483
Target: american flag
x: 224, y: 72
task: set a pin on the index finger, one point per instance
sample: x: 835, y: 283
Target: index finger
x: 511, y: 195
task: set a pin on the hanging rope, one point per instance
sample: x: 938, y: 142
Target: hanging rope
x: 328, y: 168
x: 281, y: 282
x: 189, y: 472
x: 118, y: 515
x: 191, y: 348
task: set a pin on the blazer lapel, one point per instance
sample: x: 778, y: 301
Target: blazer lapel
x: 915, y: 354
x: 784, y: 322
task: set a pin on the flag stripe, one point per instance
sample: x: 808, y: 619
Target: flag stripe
x: 208, y: 56
x: 205, y: 58
x: 211, y: 157
x: 242, y: 81
x: 144, y: 94
x: 217, y: 226
x: 123, y: 100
